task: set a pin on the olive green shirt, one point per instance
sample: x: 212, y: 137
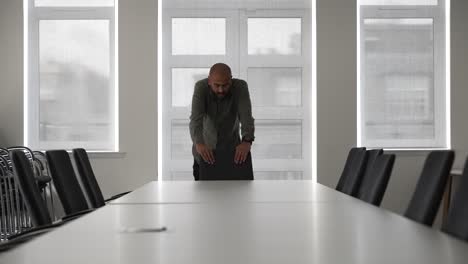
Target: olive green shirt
x: 215, y: 121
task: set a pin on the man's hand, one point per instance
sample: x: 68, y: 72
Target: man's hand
x: 205, y: 152
x: 242, y: 150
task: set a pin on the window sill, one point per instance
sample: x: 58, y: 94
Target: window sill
x: 106, y: 155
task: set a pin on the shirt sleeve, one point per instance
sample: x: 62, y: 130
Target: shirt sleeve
x: 245, y: 112
x: 198, y: 112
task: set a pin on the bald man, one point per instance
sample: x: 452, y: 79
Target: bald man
x: 219, y: 104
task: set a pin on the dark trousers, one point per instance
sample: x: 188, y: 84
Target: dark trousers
x: 196, y: 170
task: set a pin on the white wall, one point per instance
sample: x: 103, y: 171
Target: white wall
x: 138, y: 101
x: 337, y: 95
x: 336, y: 86
x: 11, y: 73
x: 137, y: 77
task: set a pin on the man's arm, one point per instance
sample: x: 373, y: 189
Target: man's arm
x: 198, y: 112
x: 247, y: 123
x: 245, y: 113
x: 196, y: 122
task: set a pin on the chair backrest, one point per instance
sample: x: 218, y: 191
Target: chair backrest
x: 353, y: 171
x: 375, y: 182
x: 224, y: 167
x: 65, y: 181
x: 372, y: 154
x: 347, y: 167
x: 456, y: 223
x: 24, y: 176
x: 90, y: 184
x: 430, y: 187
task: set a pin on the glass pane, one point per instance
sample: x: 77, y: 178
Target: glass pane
x: 277, y: 139
x: 198, y: 36
x: 399, y: 78
x: 399, y: 2
x: 181, y: 143
x: 76, y: 102
x: 183, y: 82
x: 274, y: 36
x: 275, y: 86
x: 278, y: 175
x: 76, y: 3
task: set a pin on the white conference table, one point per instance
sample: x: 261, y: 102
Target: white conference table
x: 341, y: 230
x: 225, y: 191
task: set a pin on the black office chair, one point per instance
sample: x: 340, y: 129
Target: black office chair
x: 347, y: 167
x: 375, y: 182
x: 456, y: 223
x: 224, y: 167
x: 430, y: 187
x: 353, y: 171
x: 24, y: 176
x: 65, y: 181
x: 89, y: 181
x: 372, y: 154
x: 28, y: 186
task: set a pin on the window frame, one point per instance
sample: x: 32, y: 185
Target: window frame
x: 170, y: 113
x: 239, y: 60
x: 441, y: 91
x: 32, y: 91
x: 302, y: 112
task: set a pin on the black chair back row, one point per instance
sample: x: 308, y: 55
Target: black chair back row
x: 456, y: 223
x: 66, y: 182
x: 88, y: 178
x: 66, y: 179
x: 366, y: 175
x: 66, y: 185
x: 90, y: 184
x: 372, y: 155
x: 24, y: 176
x: 375, y: 181
x: 68, y: 188
x: 353, y: 171
x: 430, y: 188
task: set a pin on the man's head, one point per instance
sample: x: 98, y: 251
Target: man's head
x: 220, y: 79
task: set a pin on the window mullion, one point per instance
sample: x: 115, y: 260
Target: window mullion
x: 73, y: 13
x: 33, y: 83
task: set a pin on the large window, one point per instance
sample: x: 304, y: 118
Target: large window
x: 71, y: 90
x: 403, y: 88
x: 268, y: 45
